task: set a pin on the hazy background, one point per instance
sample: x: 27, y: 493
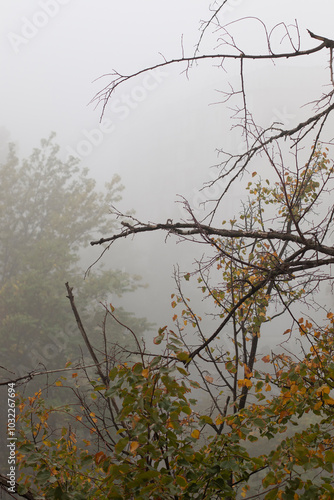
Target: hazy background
x: 162, y: 134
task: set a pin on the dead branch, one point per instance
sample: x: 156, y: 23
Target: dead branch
x: 104, y: 95
x: 187, y: 229
x: 84, y: 335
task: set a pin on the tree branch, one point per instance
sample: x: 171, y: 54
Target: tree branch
x: 4, y: 486
x: 189, y: 229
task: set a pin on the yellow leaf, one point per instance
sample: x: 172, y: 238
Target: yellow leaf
x: 330, y: 315
x: 318, y: 405
x: 219, y: 420
x: 59, y: 383
x: 169, y: 424
x: 268, y: 388
x: 293, y: 388
x: 245, y: 382
x: 133, y: 446
x: 145, y: 372
x: 195, y: 433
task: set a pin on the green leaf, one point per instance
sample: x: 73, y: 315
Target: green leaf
x: 259, y: 423
x: 122, y: 443
x: 272, y: 495
x: 205, y: 419
x: 43, y: 475
x: 155, y: 361
x: 329, y: 456
x: 181, y: 481
x: 182, y: 356
x: 186, y: 410
x: 194, y: 384
x: 182, y: 371
x: 269, y: 479
x: 137, y: 368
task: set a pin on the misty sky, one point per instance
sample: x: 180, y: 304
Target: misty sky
x: 52, y: 50
x: 160, y: 133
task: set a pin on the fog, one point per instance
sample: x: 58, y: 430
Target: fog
x: 159, y: 133
x: 162, y: 131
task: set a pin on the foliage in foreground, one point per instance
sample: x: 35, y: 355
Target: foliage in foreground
x: 162, y: 447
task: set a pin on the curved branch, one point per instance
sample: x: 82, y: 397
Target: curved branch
x: 117, y: 78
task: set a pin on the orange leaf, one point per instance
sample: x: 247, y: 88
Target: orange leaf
x: 248, y: 373
x: 133, y: 446
x: 209, y: 379
x: 74, y: 375
x: 99, y: 457
x: 266, y: 359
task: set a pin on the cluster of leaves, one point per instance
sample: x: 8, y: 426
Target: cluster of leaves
x: 63, y: 466
x: 162, y: 447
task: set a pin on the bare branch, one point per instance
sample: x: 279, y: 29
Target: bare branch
x: 104, y: 95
